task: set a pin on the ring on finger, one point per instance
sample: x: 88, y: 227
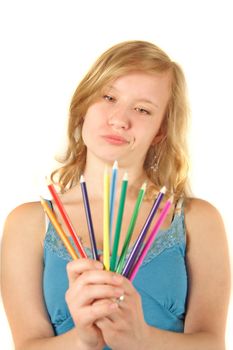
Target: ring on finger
x: 120, y: 299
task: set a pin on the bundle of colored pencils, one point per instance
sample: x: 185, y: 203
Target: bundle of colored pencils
x: 126, y: 266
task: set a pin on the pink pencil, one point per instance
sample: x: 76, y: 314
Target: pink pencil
x: 151, y: 238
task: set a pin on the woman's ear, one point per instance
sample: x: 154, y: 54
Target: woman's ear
x: 158, y: 138
x: 161, y: 135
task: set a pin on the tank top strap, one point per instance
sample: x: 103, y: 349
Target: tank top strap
x: 47, y: 221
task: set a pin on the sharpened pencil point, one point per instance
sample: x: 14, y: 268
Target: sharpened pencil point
x: 48, y: 180
x: 42, y: 199
x: 163, y: 190
x: 115, y: 165
x: 144, y: 186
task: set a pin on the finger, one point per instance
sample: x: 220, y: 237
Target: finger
x: 89, y: 293
x: 100, y: 277
x: 128, y: 286
x: 77, y: 267
x: 105, y: 322
x: 81, y: 294
x: 114, y: 316
x: 98, y: 310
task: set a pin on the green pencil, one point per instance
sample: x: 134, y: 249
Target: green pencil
x: 131, y: 228
x: 119, y: 222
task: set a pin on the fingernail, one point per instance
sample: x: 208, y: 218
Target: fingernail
x: 118, y: 278
x: 114, y: 306
x: 118, y: 292
x: 98, y: 265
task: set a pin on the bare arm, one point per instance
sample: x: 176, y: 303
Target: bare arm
x: 209, y: 281
x: 208, y: 265
x: 22, y: 270
x: 209, y: 273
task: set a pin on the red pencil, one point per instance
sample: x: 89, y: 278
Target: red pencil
x: 67, y: 221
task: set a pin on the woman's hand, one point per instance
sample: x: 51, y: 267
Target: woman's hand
x: 126, y: 328
x: 91, y: 296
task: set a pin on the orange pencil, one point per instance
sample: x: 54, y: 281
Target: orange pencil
x: 67, y: 221
x: 58, y: 229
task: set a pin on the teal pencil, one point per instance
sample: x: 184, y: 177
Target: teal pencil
x: 119, y: 222
x: 106, y: 246
x: 131, y: 228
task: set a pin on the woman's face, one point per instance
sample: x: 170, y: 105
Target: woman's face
x: 126, y: 119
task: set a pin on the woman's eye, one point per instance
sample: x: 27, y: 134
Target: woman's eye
x: 142, y: 110
x: 109, y: 98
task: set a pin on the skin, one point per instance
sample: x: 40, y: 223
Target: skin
x: 127, y: 109
x: 117, y: 126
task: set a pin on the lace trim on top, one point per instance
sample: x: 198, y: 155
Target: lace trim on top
x: 165, y: 239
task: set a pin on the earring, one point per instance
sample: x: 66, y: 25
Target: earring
x: 154, y: 167
x: 155, y: 156
x: 153, y: 163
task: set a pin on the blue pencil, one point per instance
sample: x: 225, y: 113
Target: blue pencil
x: 112, y: 196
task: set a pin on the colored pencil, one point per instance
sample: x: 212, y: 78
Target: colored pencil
x: 138, y: 244
x: 119, y: 222
x: 131, y: 228
x: 67, y: 221
x: 151, y: 238
x: 112, y: 196
x: 89, y: 218
x: 59, y: 229
x: 106, y: 243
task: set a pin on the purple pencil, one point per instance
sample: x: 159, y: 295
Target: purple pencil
x: 138, y: 244
x: 151, y: 238
x: 89, y: 219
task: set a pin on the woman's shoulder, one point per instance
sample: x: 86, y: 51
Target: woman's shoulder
x: 29, y: 212
x: 202, y: 219
x: 197, y: 208
x: 25, y: 220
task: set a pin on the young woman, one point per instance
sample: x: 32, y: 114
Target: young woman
x: 130, y: 107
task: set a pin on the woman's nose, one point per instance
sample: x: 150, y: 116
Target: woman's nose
x: 119, y: 119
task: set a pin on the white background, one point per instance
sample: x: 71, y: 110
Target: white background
x: 47, y: 46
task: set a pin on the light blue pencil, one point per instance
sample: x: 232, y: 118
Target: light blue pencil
x: 112, y: 196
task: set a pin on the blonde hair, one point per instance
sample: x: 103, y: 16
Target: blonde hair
x: 115, y: 62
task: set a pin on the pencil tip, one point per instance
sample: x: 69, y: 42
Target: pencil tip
x: 163, y: 190
x: 82, y: 179
x: 144, y: 186
x: 48, y: 180
x: 125, y: 177
x: 115, y: 165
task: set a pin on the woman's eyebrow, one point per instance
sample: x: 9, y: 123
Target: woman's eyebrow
x: 144, y: 100
x: 149, y: 102
x: 110, y: 87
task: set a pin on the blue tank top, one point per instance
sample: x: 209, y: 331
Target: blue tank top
x: 161, y: 280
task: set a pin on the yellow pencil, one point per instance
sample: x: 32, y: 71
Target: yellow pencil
x: 106, y: 243
x: 58, y: 229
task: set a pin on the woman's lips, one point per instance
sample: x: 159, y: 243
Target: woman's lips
x: 115, y: 139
